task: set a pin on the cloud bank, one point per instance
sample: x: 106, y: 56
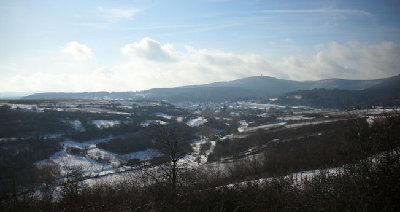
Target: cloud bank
x: 149, y: 49
x: 352, y: 61
x: 78, y: 51
x: 148, y: 63
x: 114, y: 14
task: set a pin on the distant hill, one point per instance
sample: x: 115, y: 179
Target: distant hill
x: 274, y: 86
x: 83, y: 95
x: 250, y: 87
x: 260, y: 86
x: 385, y: 93
x: 13, y: 95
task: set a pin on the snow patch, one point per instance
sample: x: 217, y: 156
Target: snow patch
x: 105, y: 123
x: 243, y: 125
x: 164, y: 115
x: 77, y: 125
x: 150, y: 122
x: 196, y: 122
x: 370, y: 120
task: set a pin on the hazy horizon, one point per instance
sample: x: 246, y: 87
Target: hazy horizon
x: 78, y: 46
x: 12, y: 95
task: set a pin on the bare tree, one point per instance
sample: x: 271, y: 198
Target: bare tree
x: 71, y: 182
x: 173, y: 140
x: 205, y: 131
x: 46, y: 176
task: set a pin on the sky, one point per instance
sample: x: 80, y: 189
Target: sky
x: 121, y: 45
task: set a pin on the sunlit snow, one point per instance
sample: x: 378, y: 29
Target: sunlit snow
x: 196, y: 122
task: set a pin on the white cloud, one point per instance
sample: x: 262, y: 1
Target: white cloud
x: 150, y: 50
x: 108, y: 17
x: 78, y: 51
x: 113, y: 14
x: 320, y: 11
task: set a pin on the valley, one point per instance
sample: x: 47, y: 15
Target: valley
x: 64, y: 149
x: 109, y: 139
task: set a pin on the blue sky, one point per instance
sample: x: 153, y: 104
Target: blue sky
x: 135, y: 45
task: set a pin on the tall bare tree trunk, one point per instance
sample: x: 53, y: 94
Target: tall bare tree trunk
x: 173, y: 176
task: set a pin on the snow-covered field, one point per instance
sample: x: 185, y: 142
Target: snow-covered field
x: 312, y: 123
x: 295, y: 118
x: 109, y: 169
x: 103, y: 166
x: 89, y: 166
x: 89, y: 161
x: 196, y: 159
x: 298, y: 178
x: 266, y: 127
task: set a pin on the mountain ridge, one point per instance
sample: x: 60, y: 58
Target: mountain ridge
x: 386, y: 93
x: 249, y: 87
